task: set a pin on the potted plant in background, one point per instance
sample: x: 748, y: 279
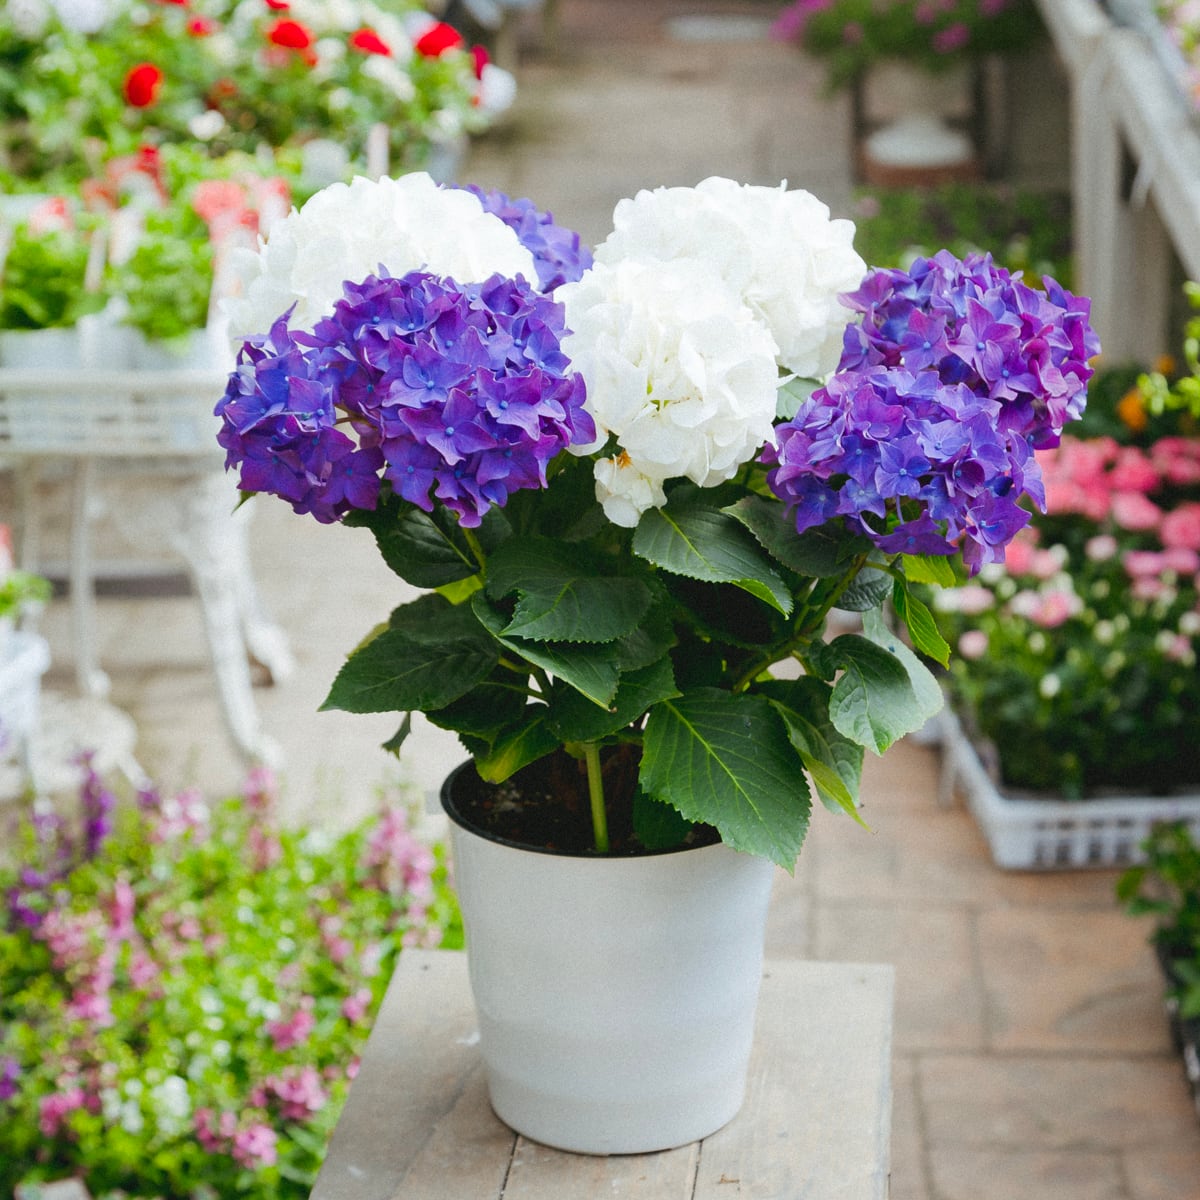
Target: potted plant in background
x: 234, y: 76
x: 629, y: 506
x: 1076, y: 678
x: 918, y: 55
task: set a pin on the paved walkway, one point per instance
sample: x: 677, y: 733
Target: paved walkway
x: 1032, y: 1060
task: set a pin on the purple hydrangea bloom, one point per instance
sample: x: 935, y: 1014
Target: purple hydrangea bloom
x: 557, y: 252
x: 923, y: 439
x: 438, y: 390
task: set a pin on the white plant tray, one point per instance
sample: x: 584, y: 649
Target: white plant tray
x: 1032, y: 834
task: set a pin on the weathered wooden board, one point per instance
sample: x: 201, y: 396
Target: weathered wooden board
x: 816, y: 1122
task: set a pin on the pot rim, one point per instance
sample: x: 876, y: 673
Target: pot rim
x: 464, y: 823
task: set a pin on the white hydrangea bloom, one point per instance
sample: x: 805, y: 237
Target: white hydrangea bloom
x: 347, y: 231
x: 779, y: 249
x: 678, y: 370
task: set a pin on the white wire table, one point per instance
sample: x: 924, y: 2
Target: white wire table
x: 138, y: 424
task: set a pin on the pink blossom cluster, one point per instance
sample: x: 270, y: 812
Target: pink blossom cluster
x: 251, y: 1143
x: 1126, y: 486
x: 297, y: 1093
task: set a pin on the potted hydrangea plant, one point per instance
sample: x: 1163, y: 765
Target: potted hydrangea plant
x: 631, y: 489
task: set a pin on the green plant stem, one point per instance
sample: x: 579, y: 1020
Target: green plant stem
x: 477, y: 550
x: 591, y: 755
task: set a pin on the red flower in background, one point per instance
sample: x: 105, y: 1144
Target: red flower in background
x: 482, y: 58
x: 277, y: 5
x: 289, y: 34
x: 439, y: 38
x: 142, y: 85
x: 369, y: 42
x: 201, y: 27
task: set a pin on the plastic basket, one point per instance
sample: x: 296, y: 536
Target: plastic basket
x: 110, y: 413
x: 1036, y: 834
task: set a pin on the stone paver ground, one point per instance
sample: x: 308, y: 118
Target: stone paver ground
x: 1032, y: 1059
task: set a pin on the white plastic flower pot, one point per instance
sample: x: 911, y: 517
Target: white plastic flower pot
x: 615, y: 996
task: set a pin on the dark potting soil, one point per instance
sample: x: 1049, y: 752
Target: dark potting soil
x: 545, y: 805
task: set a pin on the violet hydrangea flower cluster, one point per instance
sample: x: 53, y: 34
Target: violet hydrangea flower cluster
x: 924, y: 438
x: 558, y: 253
x: 436, y: 389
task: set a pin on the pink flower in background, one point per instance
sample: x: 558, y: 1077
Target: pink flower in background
x: 53, y: 1110
x: 291, y: 1032
x: 355, y: 1007
x: 255, y: 1146
x: 1047, y: 609
x: 1180, y: 528
x: 296, y: 1091
x: 1018, y: 558
x: 973, y: 644
x: 1044, y: 564
x: 1133, y: 472
x: 1134, y: 512
x: 953, y: 37
x: 1143, y: 564
x: 1183, y: 560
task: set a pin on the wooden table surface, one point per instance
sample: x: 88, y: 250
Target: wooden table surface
x: 816, y: 1122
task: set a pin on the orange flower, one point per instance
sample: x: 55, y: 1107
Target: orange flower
x: 142, y: 85
x: 1131, y: 411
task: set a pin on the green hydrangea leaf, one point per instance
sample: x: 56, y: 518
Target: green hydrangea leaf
x: 575, y: 719
x: 869, y: 589
x: 690, y: 538
x: 922, y: 628
x: 833, y: 761
x: 563, y: 595
x: 400, y: 671
x: 592, y: 670
x: 725, y: 760
x: 822, y: 551
x: 937, y: 569
x: 884, y: 691
x: 427, y: 550
x: 521, y: 745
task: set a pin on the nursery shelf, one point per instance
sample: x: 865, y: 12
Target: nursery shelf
x: 1034, y: 834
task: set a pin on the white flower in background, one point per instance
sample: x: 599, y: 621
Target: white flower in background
x: 678, y: 370
x: 778, y: 249
x: 84, y: 16
x: 172, y: 1105
x: 206, y: 125
x: 28, y: 18
x: 391, y: 75
x: 348, y: 231
x: 497, y: 89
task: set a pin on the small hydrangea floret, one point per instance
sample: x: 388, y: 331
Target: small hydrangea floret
x: 434, y: 389
x: 923, y: 440
x: 558, y: 254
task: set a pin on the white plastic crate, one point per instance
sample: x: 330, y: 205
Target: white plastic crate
x: 110, y: 413
x: 1033, y: 834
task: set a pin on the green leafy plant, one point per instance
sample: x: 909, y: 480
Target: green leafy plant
x: 1166, y: 887
x: 1025, y: 230
x: 44, y: 276
x: 185, y: 987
